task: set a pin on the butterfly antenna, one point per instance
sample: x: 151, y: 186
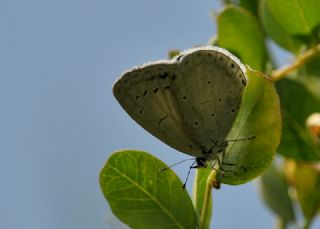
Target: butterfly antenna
x: 241, y: 139
x: 170, y: 166
x: 191, y: 167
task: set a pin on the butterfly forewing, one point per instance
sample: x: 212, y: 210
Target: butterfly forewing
x: 145, y: 94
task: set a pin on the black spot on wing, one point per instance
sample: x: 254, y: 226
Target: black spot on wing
x: 163, y: 76
x: 244, y: 82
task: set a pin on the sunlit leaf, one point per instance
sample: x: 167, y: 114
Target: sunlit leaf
x: 143, y: 197
x: 240, y: 33
x: 276, y: 30
x: 297, y: 17
x: 259, y: 116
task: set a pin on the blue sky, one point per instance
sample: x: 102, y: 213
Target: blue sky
x: 59, y: 121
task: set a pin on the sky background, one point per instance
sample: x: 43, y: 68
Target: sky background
x: 59, y: 121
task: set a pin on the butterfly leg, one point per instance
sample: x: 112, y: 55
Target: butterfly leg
x: 222, y: 170
x: 237, y: 165
x: 200, y: 163
x: 231, y: 164
x: 217, y: 170
x: 225, y: 144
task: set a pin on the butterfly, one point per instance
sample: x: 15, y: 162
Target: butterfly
x: 189, y: 102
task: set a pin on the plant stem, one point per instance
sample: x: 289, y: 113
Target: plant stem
x: 299, y: 61
x: 206, y: 199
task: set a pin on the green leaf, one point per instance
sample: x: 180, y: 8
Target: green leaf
x: 259, y: 116
x: 199, y: 187
x: 306, y: 181
x: 309, y: 75
x: 143, y: 197
x: 240, y: 33
x: 250, y: 5
x: 275, y: 29
x: 297, y: 17
x: 297, y: 103
x: 274, y: 190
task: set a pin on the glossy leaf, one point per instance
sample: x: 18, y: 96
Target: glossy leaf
x: 274, y: 190
x: 259, y: 116
x: 199, y: 186
x: 240, y: 33
x: 143, y: 197
x: 276, y: 30
x: 297, y: 103
x: 297, y: 17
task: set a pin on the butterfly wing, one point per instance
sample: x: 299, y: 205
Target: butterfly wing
x: 189, y: 103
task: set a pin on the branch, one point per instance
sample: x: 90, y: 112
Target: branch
x: 298, y: 62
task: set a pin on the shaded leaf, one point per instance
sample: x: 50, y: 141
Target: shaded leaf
x: 259, y: 116
x: 274, y: 190
x: 297, y: 103
x: 276, y: 30
x: 240, y: 33
x: 143, y: 197
x: 309, y: 75
x: 250, y: 5
x: 305, y: 178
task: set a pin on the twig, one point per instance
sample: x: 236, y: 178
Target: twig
x: 299, y: 61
